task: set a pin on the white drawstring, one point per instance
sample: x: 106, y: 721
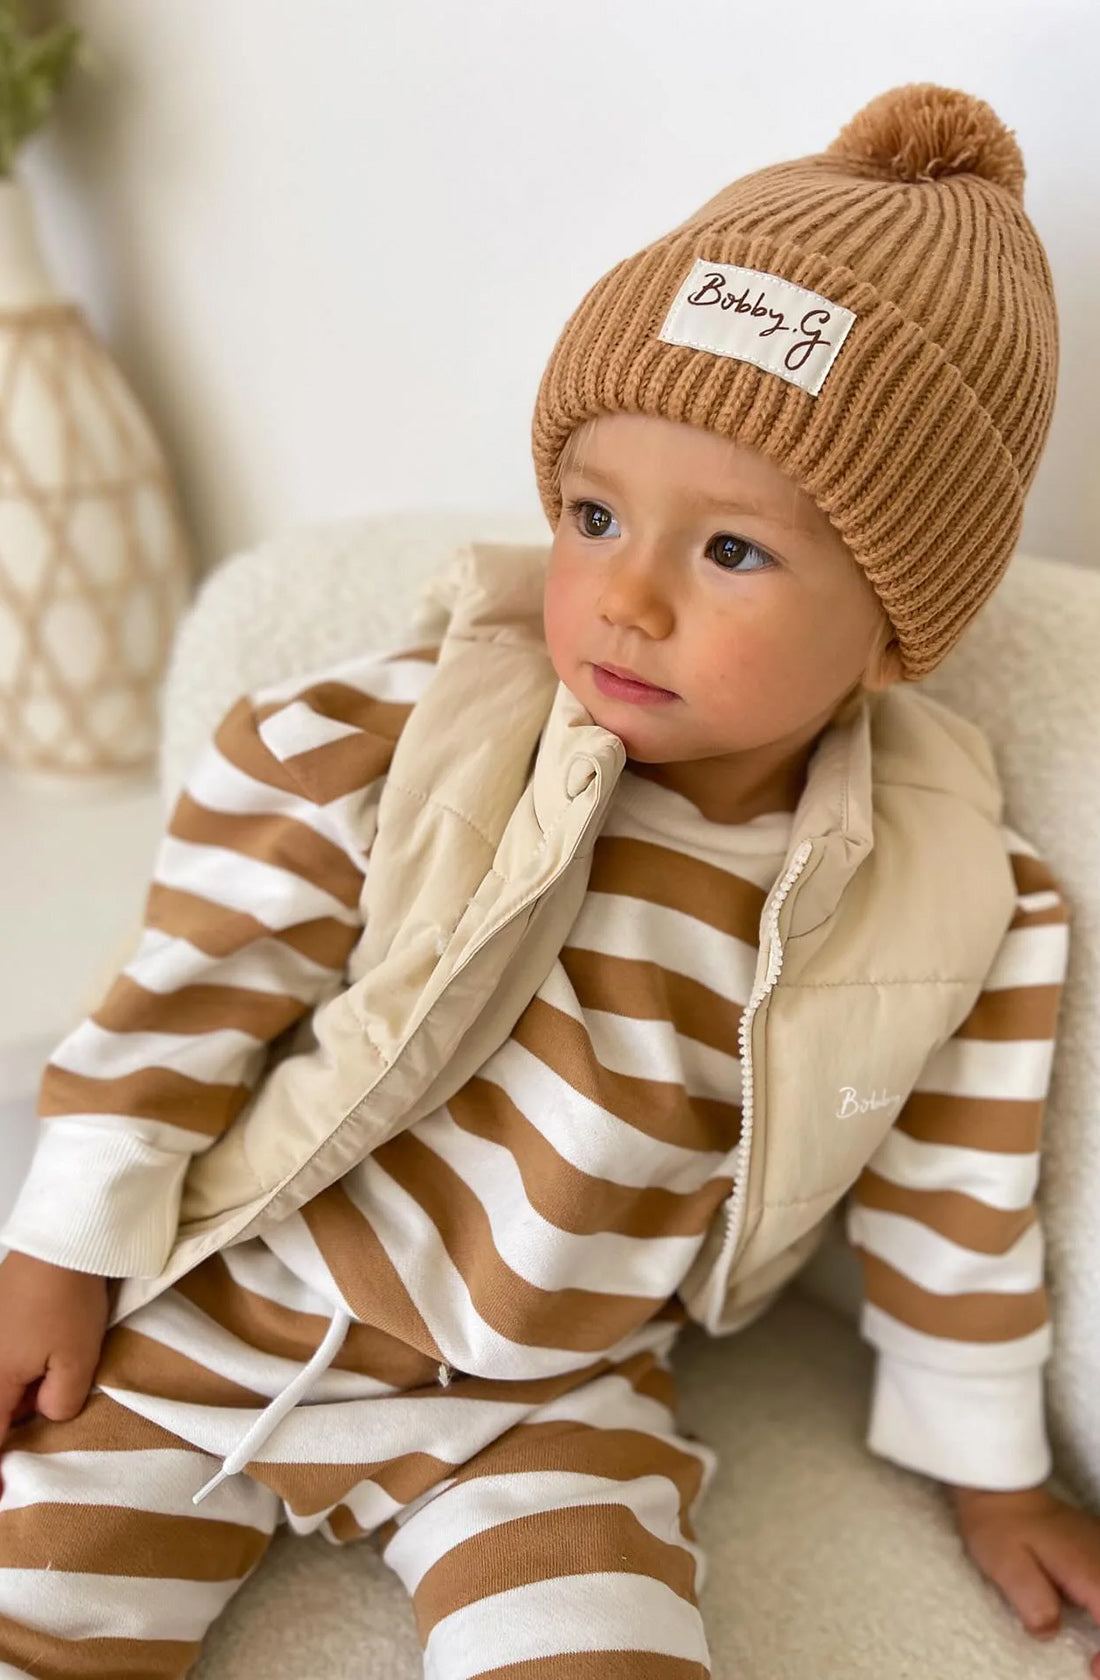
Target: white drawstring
x: 284, y: 1402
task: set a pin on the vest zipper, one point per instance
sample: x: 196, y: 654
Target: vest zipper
x: 735, y: 1201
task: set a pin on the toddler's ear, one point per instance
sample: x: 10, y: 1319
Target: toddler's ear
x: 885, y: 667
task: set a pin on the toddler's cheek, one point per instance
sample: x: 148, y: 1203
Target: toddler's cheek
x: 561, y: 617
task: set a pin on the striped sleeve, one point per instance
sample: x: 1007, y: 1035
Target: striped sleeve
x: 251, y: 913
x: 945, y: 1225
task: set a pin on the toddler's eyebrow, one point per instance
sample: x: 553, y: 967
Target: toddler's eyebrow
x: 714, y: 504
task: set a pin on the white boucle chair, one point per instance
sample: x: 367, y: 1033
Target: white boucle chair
x: 823, y: 1561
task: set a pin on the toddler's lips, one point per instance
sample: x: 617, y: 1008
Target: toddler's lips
x: 629, y: 688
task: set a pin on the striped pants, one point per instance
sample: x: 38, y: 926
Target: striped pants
x: 563, y: 1550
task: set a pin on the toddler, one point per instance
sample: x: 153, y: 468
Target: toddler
x: 507, y: 1000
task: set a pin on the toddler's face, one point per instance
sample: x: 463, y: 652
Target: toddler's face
x: 699, y: 566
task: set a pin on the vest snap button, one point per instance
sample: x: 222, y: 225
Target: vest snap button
x: 578, y: 776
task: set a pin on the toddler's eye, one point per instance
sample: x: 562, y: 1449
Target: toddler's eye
x: 729, y: 551
x: 578, y: 510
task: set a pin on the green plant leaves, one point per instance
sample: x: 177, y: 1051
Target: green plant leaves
x: 32, y: 70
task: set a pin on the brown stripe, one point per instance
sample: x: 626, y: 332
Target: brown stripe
x: 548, y: 1546
x: 1006, y: 1126
x: 47, y: 1657
x: 219, y: 931
x: 272, y: 838
x: 337, y: 768
x: 1040, y: 918
x: 1016, y: 1012
x: 660, y: 1385
x: 238, y: 740
x: 536, y: 1391
x: 364, y: 1273
x: 102, y: 1425
x: 660, y: 875
x: 1032, y: 874
x: 152, y: 1093
x: 581, y: 1319
x: 344, y: 1527
x: 136, y: 1362
x: 130, y: 1007
x: 569, y: 1198
x: 309, y: 1488
x: 985, y: 1317
x: 289, y: 1334
x: 646, y: 992
x: 662, y: 1109
x: 118, y: 1540
x: 621, y: 1455
x: 961, y: 1219
x: 600, y: 1665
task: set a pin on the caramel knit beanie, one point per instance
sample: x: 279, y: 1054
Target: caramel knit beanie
x: 878, y: 319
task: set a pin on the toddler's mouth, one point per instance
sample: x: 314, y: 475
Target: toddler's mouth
x: 620, y: 684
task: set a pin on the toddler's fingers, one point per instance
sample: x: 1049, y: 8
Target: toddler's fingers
x: 1073, y: 1562
x: 64, y: 1389
x: 11, y: 1397
x: 1030, y: 1591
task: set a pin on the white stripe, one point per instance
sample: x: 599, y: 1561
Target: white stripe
x: 542, y: 1252
x: 586, y: 1135
x: 1046, y: 899
x: 221, y: 786
x: 752, y: 851
x: 254, y: 1265
x: 1017, y: 842
x: 601, y: 1612
x: 1016, y: 1069
x: 74, y: 1134
x: 1030, y: 956
x: 942, y: 1266
x: 1002, y: 1180
x: 77, y: 1606
x: 947, y: 1353
x: 473, y: 1507
x: 339, y: 1432
x: 644, y: 1049
x: 647, y: 1048
x: 163, y: 963
x: 610, y: 1401
x: 160, y: 1479
x: 386, y: 674
x: 177, y: 1323
x: 233, y: 880
x: 368, y: 1503
x: 297, y: 728
x: 223, y: 1055
x: 608, y: 922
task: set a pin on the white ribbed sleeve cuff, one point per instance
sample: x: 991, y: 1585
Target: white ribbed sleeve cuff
x: 98, y: 1199
x: 984, y: 1430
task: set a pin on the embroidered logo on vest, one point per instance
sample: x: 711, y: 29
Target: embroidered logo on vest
x: 852, y: 1103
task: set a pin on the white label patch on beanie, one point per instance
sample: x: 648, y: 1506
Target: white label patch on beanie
x: 758, y: 317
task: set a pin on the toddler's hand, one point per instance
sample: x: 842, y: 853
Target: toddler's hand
x: 52, y: 1324
x: 1036, y: 1549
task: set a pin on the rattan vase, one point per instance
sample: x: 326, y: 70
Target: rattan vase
x: 94, y: 563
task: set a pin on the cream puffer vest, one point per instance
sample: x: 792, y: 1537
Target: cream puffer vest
x: 874, y: 942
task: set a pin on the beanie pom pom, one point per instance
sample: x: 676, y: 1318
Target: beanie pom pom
x: 921, y: 132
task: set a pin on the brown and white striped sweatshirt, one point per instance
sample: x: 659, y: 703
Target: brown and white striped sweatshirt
x: 559, y: 1197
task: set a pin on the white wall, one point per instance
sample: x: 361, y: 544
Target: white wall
x: 333, y: 244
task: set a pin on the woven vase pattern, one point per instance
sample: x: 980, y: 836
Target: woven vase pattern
x: 94, y: 563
